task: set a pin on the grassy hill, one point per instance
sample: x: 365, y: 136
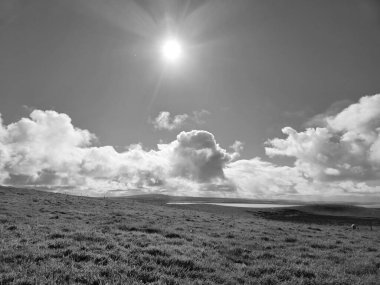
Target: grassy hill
x: 51, y: 238
x: 342, y: 210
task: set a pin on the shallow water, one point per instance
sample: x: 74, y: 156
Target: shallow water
x: 370, y: 206
x: 239, y: 205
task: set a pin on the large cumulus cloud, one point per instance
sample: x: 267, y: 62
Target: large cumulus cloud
x: 339, y: 157
x: 33, y: 149
x: 346, y: 147
x: 46, y: 150
x: 197, y: 156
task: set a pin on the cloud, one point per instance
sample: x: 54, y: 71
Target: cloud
x: 46, y: 150
x: 199, y: 116
x: 264, y: 179
x: 47, y: 140
x: 347, y: 147
x: 342, y: 157
x: 165, y: 122
x: 237, y: 147
x: 197, y: 156
x: 319, y: 120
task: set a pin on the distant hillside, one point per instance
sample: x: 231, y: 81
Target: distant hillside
x: 163, y: 199
x: 341, y: 210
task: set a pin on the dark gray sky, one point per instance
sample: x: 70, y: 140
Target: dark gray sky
x: 255, y: 66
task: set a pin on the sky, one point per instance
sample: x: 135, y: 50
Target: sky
x: 270, y: 99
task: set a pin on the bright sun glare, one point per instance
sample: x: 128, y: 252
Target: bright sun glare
x: 171, y: 50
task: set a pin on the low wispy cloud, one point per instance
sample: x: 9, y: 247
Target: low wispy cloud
x: 199, y: 116
x: 164, y: 120
x: 342, y: 157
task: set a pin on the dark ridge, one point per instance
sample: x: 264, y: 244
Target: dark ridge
x: 338, y: 210
x: 302, y: 216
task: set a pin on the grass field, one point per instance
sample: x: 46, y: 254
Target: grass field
x: 51, y: 238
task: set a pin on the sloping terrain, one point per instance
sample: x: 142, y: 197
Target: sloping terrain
x: 306, y: 217
x: 51, y: 238
x: 341, y: 210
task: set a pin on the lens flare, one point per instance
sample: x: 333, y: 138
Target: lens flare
x: 171, y: 50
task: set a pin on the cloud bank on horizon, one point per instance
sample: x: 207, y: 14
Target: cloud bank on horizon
x: 341, y: 156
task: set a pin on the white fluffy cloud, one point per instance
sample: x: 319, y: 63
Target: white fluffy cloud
x: 264, y: 179
x: 164, y: 121
x: 46, y: 150
x: 196, y: 155
x: 341, y: 157
x: 347, y: 147
x: 32, y: 149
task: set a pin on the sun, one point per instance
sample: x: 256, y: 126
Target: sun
x: 171, y: 50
